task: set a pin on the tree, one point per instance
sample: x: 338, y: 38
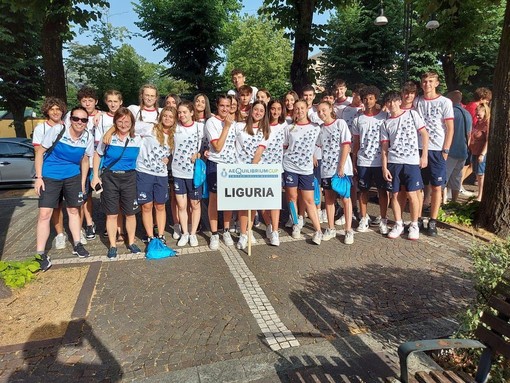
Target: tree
x: 54, y: 18
x: 359, y: 51
x: 494, y: 211
x: 191, y: 33
x: 261, y: 39
x: 20, y: 65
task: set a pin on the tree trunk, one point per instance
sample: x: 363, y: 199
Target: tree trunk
x: 18, y: 115
x: 494, y: 211
x: 302, y: 38
x: 450, y: 74
x: 52, y: 40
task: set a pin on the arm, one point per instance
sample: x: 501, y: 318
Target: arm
x: 95, y: 179
x: 38, y: 163
x: 218, y: 144
x: 355, y: 150
x: 344, y: 153
x: 84, y: 172
x: 425, y: 145
x: 448, y: 137
x: 384, y: 158
x: 258, y: 154
x: 107, y: 137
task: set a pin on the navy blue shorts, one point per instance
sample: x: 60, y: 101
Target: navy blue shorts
x: 185, y: 186
x: 368, y: 176
x: 478, y: 167
x: 408, y: 176
x: 435, y: 172
x: 151, y: 188
x: 211, y: 174
x: 302, y: 182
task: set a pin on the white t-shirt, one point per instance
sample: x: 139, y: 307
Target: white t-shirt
x: 213, y: 129
x: 103, y: 126
x: 401, y: 133
x: 300, y: 140
x: 40, y: 131
x: 338, y: 107
x: 187, y: 142
x: 368, y: 128
x: 246, y: 144
x: 349, y: 113
x: 435, y: 112
x: 273, y: 146
x: 151, y: 156
x: 333, y: 138
x: 145, y: 119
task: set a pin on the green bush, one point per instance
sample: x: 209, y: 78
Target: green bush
x: 461, y: 214
x: 18, y: 274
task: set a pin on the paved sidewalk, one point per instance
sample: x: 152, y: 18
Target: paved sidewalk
x: 294, y: 313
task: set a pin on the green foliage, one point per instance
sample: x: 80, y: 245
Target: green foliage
x: 263, y: 53
x: 462, y: 214
x: 17, y: 274
x: 191, y: 33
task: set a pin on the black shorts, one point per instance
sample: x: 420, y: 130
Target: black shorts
x: 70, y: 189
x: 119, y: 190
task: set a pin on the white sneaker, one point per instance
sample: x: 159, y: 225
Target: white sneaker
x: 243, y: 242
x: 227, y: 238
x: 321, y: 217
x: 376, y: 221
x: 290, y: 222
x: 329, y: 234
x: 269, y: 231
x: 317, y: 237
x: 396, y: 231
x: 193, y: 240
x: 60, y: 241
x: 340, y: 221
x: 177, y: 231
x: 383, y: 226
x: 214, y: 242
x: 184, y: 240
x: 300, y: 222
x: 363, y: 225
x: 275, y: 239
x: 324, y: 215
x: 349, y: 237
x: 296, y: 232
x: 232, y: 226
x: 83, y: 237
x: 253, y: 239
x: 414, y: 232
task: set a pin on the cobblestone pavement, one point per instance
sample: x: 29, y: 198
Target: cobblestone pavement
x: 224, y: 316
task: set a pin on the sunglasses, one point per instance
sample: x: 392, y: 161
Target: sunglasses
x: 76, y: 119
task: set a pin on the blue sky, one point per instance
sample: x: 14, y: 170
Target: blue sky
x: 122, y: 14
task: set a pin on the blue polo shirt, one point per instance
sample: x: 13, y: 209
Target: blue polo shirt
x: 462, y: 122
x: 113, y: 151
x: 65, y: 159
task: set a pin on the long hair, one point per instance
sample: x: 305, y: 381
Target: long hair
x: 487, y: 110
x: 281, y: 119
x: 121, y: 112
x: 207, y: 111
x: 263, y: 123
x: 237, y: 114
x: 158, y: 128
x: 140, y: 99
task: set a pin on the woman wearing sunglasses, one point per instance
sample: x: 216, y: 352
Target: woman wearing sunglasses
x: 61, y: 166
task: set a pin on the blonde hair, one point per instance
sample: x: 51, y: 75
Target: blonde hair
x: 158, y: 128
x: 486, y: 109
x: 140, y: 99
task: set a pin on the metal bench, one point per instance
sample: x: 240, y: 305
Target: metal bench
x: 493, y: 334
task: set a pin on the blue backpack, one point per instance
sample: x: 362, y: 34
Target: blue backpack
x: 157, y: 250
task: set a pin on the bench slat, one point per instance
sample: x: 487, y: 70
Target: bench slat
x: 500, y: 305
x: 453, y: 377
x: 494, y: 342
x: 467, y: 378
x: 438, y: 377
x: 423, y: 377
x: 496, y: 324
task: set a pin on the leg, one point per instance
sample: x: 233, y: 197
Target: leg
x: 395, y: 205
x: 435, y: 200
x: 43, y: 228
x: 330, y: 196
x: 307, y: 198
x: 243, y: 221
x: 160, y: 217
x: 130, y: 228
x: 383, y: 202
x: 57, y: 219
x: 195, y: 215
x: 213, y: 211
x: 147, y: 219
x: 347, y: 202
x: 74, y: 223
x: 111, y: 229
x: 480, y: 178
x: 182, y: 210
x: 414, y: 206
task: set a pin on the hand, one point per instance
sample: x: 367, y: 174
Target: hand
x: 315, y: 162
x: 387, y: 175
x: 481, y: 157
x: 194, y: 157
x: 165, y: 160
x: 341, y: 173
x: 229, y: 120
x: 206, y: 154
x: 94, y: 182
x: 445, y: 156
x: 97, y: 118
x: 38, y: 186
x: 424, y: 162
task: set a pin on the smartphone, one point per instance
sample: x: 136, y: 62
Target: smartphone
x: 99, y: 188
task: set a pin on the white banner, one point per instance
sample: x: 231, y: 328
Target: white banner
x: 249, y: 187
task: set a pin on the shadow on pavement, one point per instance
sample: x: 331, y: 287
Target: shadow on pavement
x: 60, y: 363
x: 7, y: 209
x: 382, y: 304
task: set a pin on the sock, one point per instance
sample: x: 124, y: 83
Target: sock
x: 214, y: 233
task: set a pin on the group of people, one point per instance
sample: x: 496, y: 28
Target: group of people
x: 141, y: 157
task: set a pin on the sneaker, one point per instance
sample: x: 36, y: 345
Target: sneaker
x: 243, y: 242
x: 80, y: 251
x: 396, y: 231
x: 253, y: 239
x: 340, y: 221
x: 324, y: 215
x: 162, y: 239
x: 431, y: 228
x: 321, y: 217
x: 296, y: 232
x: 421, y: 226
x: 275, y: 239
x: 414, y: 232
x: 329, y: 234
x: 349, y: 237
x: 105, y: 233
x: 214, y: 242
x: 44, y: 261
x: 466, y: 193
x: 83, y: 237
x: 290, y: 222
x: 193, y: 241
x: 300, y: 222
x: 383, y: 226
x: 112, y: 252
x: 256, y: 220
x: 355, y: 214
x: 363, y: 225
x: 232, y: 226
x: 227, y: 238
x: 269, y: 231
x: 317, y: 237
x: 90, y: 231
x: 60, y: 241
x: 376, y: 221
x: 184, y: 240
x: 134, y: 249
x: 177, y: 231
x: 146, y: 239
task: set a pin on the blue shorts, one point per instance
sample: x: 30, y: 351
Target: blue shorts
x: 408, y: 176
x: 151, y: 188
x: 368, y: 176
x: 478, y: 167
x: 302, y: 182
x: 211, y: 174
x: 326, y: 183
x: 185, y: 186
x: 435, y: 172
x: 317, y: 171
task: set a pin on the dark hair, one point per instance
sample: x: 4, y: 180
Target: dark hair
x: 370, y: 89
x: 392, y: 95
x: 245, y: 89
x: 236, y: 71
x: 263, y: 124
x: 78, y: 108
x: 237, y: 115
x: 221, y: 97
x: 121, y: 112
x: 357, y: 88
x: 112, y: 92
x: 264, y: 90
x: 307, y: 88
x: 174, y: 96
x: 339, y: 82
x: 207, y: 111
x: 85, y: 92
x: 281, y: 119
x: 482, y: 93
x: 50, y: 102
x: 409, y: 87
x: 189, y: 105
